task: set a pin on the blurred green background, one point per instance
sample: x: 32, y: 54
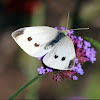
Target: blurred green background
x: 17, y: 68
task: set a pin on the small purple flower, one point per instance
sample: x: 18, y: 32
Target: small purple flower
x: 80, y: 71
x: 79, y: 45
x: 88, y: 44
x: 41, y: 70
x: 59, y: 78
x: 73, y: 38
x: 49, y: 69
x: 39, y: 58
x: 74, y: 68
x: 93, y: 51
x: 76, y: 61
x: 62, y: 28
x: 80, y: 38
x: 75, y: 77
x: 70, y: 32
x: 92, y: 59
x: 91, y: 54
x: 79, y: 65
x: 56, y: 27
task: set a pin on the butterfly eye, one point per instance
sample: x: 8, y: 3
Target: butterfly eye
x: 36, y: 45
x: 55, y: 56
x: 63, y: 58
x: 29, y: 38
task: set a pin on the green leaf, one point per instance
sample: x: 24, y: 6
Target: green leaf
x: 93, y: 42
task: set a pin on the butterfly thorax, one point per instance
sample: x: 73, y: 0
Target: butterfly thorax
x: 59, y: 36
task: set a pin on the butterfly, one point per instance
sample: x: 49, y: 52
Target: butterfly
x: 54, y: 45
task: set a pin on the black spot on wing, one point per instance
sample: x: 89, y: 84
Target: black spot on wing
x: 55, y: 56
x: 29, y: 38
x: 36, y: 45
x: 63, y: 58
x: 72, y: 63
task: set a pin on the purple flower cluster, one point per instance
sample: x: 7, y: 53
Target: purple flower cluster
x: 84, y: 52
x: 42, y: 70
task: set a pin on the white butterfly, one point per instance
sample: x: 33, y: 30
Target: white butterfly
x: 38, y: 41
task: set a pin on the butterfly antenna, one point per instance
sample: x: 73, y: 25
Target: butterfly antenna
x: 76, y: 28
x: 80, y: 29
x: 67, y: 20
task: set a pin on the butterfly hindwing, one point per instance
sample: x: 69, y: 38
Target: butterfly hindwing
x: 62, y: 56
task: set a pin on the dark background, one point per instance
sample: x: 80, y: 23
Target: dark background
x: 17, y: 68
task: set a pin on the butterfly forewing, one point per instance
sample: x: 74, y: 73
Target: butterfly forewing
x: 33, y: 39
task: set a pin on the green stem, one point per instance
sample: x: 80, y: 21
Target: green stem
x: 23, y: 87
